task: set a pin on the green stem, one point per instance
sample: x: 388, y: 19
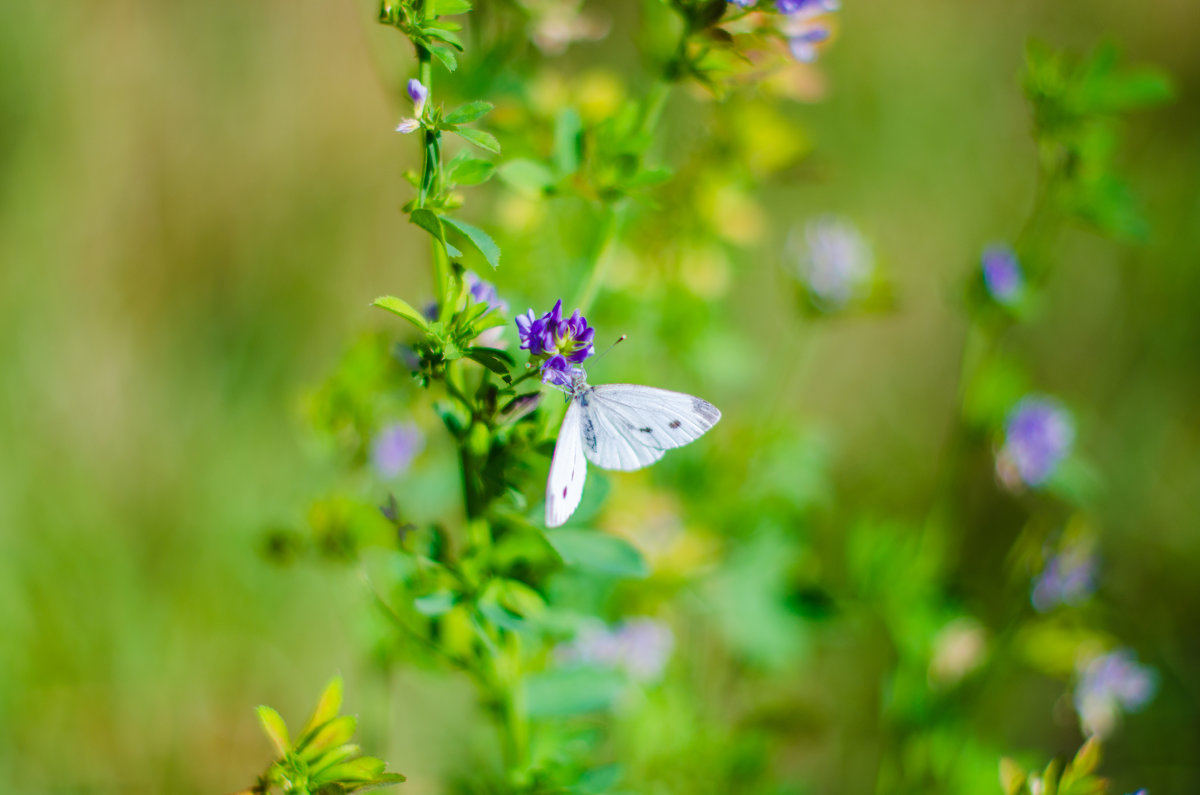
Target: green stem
x: 599, y: 258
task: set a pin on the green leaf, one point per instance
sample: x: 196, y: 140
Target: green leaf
x: 329, y: 704
x: 432, y: 223
x: 333, y: 757
x: 402, y: 308
x: 528, y: 176
x: 435, y: 604
x: 382, y: 780
x: 480, y: 239
x: 1012, y: 777
x: 483, y: 140
x: 467, y: 170
x: 496, y: 360
x: 568, y: 141
x: 364, y: 768
x: 590, y: 550
x: 275, y: 728
x: 445, y: 8
x: 564, y: 692
x: 445, y: 55
x: 444, y: 35
x: 464, y: 114
x: 333, y: 733
x: 1087, y: 759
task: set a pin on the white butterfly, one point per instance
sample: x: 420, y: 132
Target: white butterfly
x: 618, y: 426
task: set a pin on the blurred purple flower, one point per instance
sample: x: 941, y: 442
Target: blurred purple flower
x: 484, y: 292
x: 1109, y: 685
x: 836, y: 262
x: 743, y: 3
x: 640, y: 646
x: 394, y: 448
x: 802, y: 43
x: 1002, y: 274
x: 807, y: 7
x: 1068, y: 578
x: 1038, y: 435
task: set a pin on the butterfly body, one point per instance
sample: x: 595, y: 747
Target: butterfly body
x: 618, y: 426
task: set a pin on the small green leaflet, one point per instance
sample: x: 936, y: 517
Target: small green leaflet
x: 403, y: 309
x: 479, y: 239
x: 480, y: 138
x: 432, y: 223
x: 464, y: 114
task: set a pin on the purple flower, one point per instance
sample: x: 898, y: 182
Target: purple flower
x: 1069, y: 578
x: 806, y: 6
x: 1038, y: 435
x: 560, y: 372
x: 395, y: 447
x: 418, y: 93
x: 802, y: 44
x: 483, y: 292
x: 1109, y: 685
x: 532, y: 332
x: 640, y: 646
x: 564, y: 341
x: 1002, y: 274
x: 836, y: 262
x: 802, y: 30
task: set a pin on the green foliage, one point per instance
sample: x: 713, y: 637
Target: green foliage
x: 321, y: 761
x: 1076, y: 778
x: 1077, y: 104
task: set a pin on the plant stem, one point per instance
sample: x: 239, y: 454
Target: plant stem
x: 598, y: 257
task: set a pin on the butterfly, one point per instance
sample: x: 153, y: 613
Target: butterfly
x: 618, y: 426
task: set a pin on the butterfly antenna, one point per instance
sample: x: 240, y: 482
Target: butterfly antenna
x: 620, y: 339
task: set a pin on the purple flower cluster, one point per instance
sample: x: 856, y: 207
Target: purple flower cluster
x: 1002, y: 275
x: 395, y: 447
x: 802, y: 30
x: 641, y: 647
x: 419, y: 94
x: 1069, y: 578
x: 561, y: 343
x: 1109, y: 685
x: 484, y: 292
x: 1038, y: 435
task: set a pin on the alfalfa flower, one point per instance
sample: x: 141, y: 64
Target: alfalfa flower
x: 641, y: 647
x: 836, y: 263
x: 395, y: 447
x: 1068, y: 578
x: 1002, y: 274
x: 1038, y: 436
x: 803, y: 27
x: 1110, y: 685
x: 561, y: 343
x: 419, y: 94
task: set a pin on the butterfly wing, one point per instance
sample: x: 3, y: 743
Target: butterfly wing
x: 568, y: 469
x: 628, y: 426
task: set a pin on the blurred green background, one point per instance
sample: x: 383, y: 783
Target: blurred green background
x: 198, y: 201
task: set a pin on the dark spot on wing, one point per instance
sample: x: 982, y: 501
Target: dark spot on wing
x: 564, y: 492
x: 646, y: 430
x: 589, y: 434
x: 673, y: 424
x: 706, y: 410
